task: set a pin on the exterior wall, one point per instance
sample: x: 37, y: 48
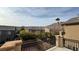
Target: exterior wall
x: 59, y: 41
x: 7, y: 28
x: 47, y: 30
x: 11, y: 46
x: 30, y: 29
x: 6, y: 32
x: 71, y: 32
x: 6, y: 35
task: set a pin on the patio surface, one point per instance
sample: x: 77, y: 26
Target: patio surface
x: 58, y: 49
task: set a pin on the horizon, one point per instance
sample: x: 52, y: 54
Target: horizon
x: 35, y: 16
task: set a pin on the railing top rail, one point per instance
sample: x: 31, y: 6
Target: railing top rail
x: 72, y: 40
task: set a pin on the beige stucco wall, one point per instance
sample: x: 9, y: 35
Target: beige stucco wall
x: 47, y: 30
x: 11, y: 46
x: 71, y: 31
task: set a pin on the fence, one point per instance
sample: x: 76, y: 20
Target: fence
x: 71, y: 44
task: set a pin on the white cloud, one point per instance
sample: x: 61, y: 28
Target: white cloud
x: 31, y: 16
x: 8, y: 17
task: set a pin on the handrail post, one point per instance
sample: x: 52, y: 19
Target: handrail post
x: 59, y: 41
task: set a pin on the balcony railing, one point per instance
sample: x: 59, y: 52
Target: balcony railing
x: 71, y: 44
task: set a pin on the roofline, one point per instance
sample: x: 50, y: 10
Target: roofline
x: 73, y: 23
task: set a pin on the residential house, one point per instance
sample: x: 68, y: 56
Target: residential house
x: 6, y: 33
x: 33, y: 28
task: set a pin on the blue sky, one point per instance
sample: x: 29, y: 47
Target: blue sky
x: 35, y: 16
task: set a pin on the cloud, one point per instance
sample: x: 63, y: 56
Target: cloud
x: 41, y: 12
x: 35, y: 16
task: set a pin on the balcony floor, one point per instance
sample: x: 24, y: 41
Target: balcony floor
x: 58, y: 49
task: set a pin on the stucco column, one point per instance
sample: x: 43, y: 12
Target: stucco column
x: 59, y: 41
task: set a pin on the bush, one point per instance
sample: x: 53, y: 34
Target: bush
x: 27, y: 35
x: 41, y: 35
x: 44, y: 35
x: 30, y: 35
x: 23, y: 34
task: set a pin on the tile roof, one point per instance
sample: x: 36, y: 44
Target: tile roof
x: 74, y: 20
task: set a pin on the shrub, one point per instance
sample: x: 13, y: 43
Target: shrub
x: 27, y: 35
x: 41, y: 35
x: 23, y: 34
x: 31, y: 35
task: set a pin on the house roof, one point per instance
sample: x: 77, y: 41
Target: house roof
x: 3, y: 27
x: 72, y: 21
x: 33, y: 28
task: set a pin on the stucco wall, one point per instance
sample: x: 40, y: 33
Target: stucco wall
x: 11, y: 46
x: 71, y: 32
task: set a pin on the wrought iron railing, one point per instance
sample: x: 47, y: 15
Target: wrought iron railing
x: 71, y: 44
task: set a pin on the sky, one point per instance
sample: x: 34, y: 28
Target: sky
x: 35, y: 16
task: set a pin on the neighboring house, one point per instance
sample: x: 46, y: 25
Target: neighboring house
x: 71, y: 28
x: 6, y: 33
x: 33, y: 29
x: 47, y: 30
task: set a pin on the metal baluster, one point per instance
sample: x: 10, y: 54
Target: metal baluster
x: 70, y: 45
x: 65, y: 43
x: 76, y: 46
x: 73, y: 46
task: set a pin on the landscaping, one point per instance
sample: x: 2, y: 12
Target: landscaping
x: 40, y: 40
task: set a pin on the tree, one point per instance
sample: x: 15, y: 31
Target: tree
x: 58, y: 19
x: 23, y: 33
x: 26, y: 35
